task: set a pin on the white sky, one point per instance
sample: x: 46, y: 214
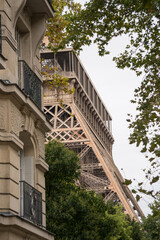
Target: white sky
x: 116, y: 88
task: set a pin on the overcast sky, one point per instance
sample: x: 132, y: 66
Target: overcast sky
x: 116, y: 88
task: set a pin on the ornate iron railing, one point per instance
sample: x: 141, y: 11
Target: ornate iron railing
x: 31, y: 203
x: 0, y: 37
x: 30, y: 83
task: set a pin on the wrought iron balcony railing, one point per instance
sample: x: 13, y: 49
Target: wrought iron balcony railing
x: 30, y: 83
x: 31, y: 203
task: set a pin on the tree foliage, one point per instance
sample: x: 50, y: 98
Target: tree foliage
x: 151, y: 224
x: 74, y: 213
x: 57, y: 26
x: 54, y: 79
x: 100, y: 21
x: 63, y: 164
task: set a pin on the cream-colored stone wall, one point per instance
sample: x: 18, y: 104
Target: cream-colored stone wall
x: 14, y: 120
x: 22, y: 124
x: 19, y: 19
x: 9, y: 181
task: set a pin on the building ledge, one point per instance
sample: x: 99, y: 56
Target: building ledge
x: 41, y: 6
x: 11, y: 139
x: 22, y: 227
x: 42, y: 165
x: 16, y: 94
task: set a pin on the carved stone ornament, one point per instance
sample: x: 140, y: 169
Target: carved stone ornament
x: 40, y: 139
x: 16, y: 120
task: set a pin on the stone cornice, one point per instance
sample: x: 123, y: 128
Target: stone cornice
x: 24, y: 227
x: 11, y: 139
x: 42, y: 165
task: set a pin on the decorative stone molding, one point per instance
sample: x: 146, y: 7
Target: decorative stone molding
x: 6, y: 35
x: 2, y: 62
x: 42, y: 165
x: 38, y: 31
x: 11, y: 139
x: 17, y: 9
x: 16, y: 120
x: 40, y: 138
x: 26, y: 106
x: 22, y: 229
x: 29, y: 124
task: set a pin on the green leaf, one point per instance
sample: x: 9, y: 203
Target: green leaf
x: 137, y: 197
x: 134, y: 191
x: 154, y: 179
x: 142, y: 190
x: 127, y: 181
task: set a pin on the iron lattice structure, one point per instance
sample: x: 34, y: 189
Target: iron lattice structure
x: 83, y: 123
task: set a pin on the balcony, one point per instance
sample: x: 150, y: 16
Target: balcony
x: 31, y: 203
x: 41, y: 7
x: 30, y: 83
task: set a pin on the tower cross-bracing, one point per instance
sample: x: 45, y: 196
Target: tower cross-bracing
x: 83, y: 123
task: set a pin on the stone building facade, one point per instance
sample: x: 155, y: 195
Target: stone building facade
x: 22, y: 122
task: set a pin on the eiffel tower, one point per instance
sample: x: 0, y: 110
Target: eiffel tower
x: 83, y: 123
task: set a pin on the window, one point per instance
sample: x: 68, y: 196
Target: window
x: 81, y: 75
x: 86, y: 83
x: 75, y: 62
x: 30, y: 198
x: 99, y: 101
x: 95, y: 99
x: 91, y: 91
x: 27, y: 159
x: 103, y: 116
